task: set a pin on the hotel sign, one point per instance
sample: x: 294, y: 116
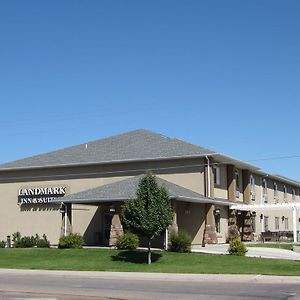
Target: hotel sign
x: 40, y: 195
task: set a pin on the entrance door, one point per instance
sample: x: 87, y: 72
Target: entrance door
x: 106, y: 228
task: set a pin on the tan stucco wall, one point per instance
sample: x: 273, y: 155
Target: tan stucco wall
x: 41, y: 219
x: 86, y: 219
x: 192, y: 181
x: 191, y: 218
x: 221, y: 190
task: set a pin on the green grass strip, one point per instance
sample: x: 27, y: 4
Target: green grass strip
x: 135, y: 261
x: 288, y: 246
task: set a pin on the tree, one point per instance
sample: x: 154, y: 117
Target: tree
x: 150, y: 212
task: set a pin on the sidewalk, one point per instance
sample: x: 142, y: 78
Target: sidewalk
x: 252, y: 251
x: 145, y: 276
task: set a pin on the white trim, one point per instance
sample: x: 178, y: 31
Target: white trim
x: 266, y: 206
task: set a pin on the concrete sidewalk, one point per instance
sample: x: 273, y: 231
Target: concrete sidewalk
x: 252, y: 251
x: 145, y: 276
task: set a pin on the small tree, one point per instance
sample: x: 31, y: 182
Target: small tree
x: 150, y: 212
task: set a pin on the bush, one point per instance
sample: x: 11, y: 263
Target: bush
x: 29, y: 241
x: 16, y: 239
x: 42, y: 242
x: 237, y: 247
x: 180, y: 242
x: 73, y: 240
x: 128, y: 241
x: 2, y: 244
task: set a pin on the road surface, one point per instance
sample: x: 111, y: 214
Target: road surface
x: 61, y: 285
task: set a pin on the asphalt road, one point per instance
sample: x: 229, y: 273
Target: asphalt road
x: 25, y: 284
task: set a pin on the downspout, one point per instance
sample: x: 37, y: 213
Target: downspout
x: 295, y: 224
x: 65, y: 220
x: 208, y: 177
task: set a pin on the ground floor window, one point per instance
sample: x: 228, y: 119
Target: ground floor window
x: 218, y: 222
x: 266, y: 223
x: 276, y: 223
x: 286, y: 223
x: 253, y: 223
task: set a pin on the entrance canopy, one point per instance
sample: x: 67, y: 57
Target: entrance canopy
x: 126, y: 189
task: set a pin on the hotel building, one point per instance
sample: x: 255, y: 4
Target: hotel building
x: 82, y: 189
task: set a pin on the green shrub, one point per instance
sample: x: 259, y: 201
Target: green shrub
x: 29, y: 241
x: 42, y: 242
x: 16, y: 239
x: 2, y: 244
x: 128, y: 241
x: 237, y: 247
x: 180, y: 242
x: 73, y: 240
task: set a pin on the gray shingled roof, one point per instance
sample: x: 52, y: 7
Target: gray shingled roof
x: 131, y: 146
x: 125, y: 189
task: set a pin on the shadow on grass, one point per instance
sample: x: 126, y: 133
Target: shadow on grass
x: 136, y: 257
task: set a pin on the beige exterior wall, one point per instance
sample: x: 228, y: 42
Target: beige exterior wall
x: 221, y: 190
x: 192, y: 181
x: 43, y: 218
x: 86, y: 219
x: 191, y: 218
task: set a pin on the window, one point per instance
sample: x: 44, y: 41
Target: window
x: 217, y: 175
x: 276, y: 199
x: 293, y: 194
x: 252, y: 187
x: 285, y: 198
x: 237, y: 183
x: 266, y: 223
x: 253, y: 223
x: 218, y: 222
x: 286, y: 223
x: 276, y: 223
x: 264, y: 190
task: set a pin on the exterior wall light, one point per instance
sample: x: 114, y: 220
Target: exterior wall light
x: 253, y: 213
x: 62, y: 208
x: 261, y: 216
x: 282, y: 218
x: 217, y: 211
x: 112, y: 209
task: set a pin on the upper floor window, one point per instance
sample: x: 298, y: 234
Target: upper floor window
x: 237, y: 183
x: 264, y: 190
x: 293, y: 194
x: 285, y: 195
x: 276, y: 198
x: 217, y: 175
x: 252, y: 187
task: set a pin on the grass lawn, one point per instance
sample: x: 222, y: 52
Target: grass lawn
x: 135, y: 261
x: 288, y: 246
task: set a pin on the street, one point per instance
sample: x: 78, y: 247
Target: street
x: 61, y: 285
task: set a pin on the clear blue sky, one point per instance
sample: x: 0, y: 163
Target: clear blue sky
x: 221, y: 74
